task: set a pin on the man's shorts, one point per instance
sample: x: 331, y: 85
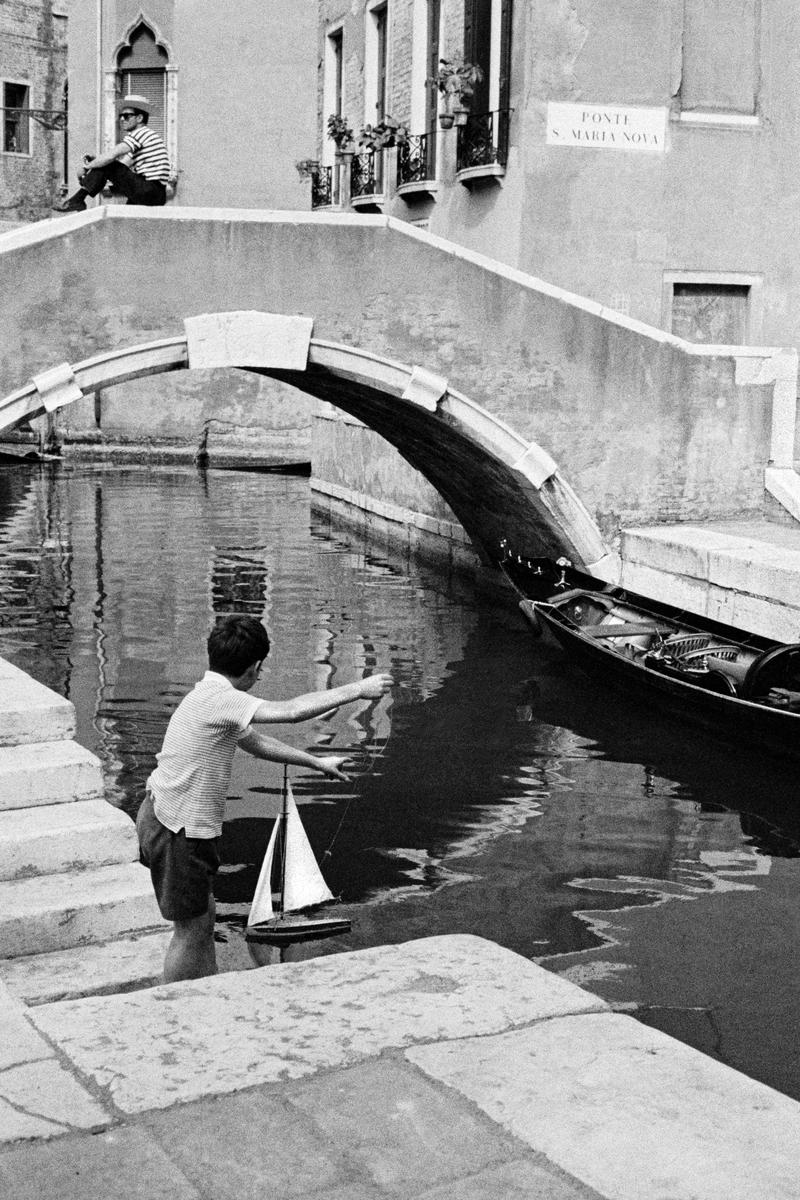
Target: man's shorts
x: 182, y: 868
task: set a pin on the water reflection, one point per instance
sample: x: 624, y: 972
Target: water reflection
x: 496, y: 792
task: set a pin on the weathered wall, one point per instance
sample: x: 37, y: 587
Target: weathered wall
x: 613, y: 225
x: 33, y: 51
x: 643, y: 429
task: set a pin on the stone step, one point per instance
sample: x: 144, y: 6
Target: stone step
x: 48, y: 773
x: 56, y: 912
x: 126, y: 964
x: 54, y: 838
x: 31, y: 712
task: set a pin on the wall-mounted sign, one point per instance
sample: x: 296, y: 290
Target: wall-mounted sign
x: 607, y: 127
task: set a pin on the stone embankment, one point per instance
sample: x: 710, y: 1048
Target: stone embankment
x: 445, y: 1069
x: 69, y: 871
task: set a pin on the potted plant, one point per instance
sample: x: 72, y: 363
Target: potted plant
x: 342, y: 136
x: 306, y: 167
x: 387, y: 133
x: 456, y: 81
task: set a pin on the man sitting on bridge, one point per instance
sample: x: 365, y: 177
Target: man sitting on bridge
x: 144, y: 181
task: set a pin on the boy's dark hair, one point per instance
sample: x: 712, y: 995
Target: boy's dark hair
x: 235, y: 643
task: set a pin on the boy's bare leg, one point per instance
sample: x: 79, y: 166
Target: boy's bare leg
x: 192, y: 954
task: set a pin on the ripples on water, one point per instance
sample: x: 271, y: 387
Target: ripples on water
x: 497, y: 792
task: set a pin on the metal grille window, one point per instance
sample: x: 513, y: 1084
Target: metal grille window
x: 16, y: 119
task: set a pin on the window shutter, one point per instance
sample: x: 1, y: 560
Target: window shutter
x: 151, y: 85
x: 505, y: 53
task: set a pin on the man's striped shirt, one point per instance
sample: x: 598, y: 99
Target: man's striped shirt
x: 148, y: 153
x: 190, y: 783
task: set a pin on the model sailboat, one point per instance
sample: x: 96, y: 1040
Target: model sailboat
x: 301, y: 886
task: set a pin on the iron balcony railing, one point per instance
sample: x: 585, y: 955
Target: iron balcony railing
x: 321, y: 186
x: 363, y: 175
x: 483, y: 141
x: 416, y: 159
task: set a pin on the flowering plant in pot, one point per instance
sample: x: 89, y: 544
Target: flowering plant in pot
x: 456, y: 81
x: 306, y: 167
x: 341, y: 135
x: 388, y: 132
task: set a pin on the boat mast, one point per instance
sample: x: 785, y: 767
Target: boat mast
x: 284, y: 838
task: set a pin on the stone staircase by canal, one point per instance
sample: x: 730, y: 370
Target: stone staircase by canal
x: 77, y: 912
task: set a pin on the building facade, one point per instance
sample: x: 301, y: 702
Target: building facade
x: 33, y: 100
x: 232, y: 86
x: 642, y: 153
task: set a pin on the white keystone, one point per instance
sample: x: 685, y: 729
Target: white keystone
x: 248, y: 339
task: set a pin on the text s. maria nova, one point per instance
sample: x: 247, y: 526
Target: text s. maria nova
x: 607, y: 127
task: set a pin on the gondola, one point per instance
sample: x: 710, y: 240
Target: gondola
x: 743, y: 686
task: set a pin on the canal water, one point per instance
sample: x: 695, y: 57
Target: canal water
x: 497, y: 791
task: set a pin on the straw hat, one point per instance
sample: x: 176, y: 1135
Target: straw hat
x: 140, y: 102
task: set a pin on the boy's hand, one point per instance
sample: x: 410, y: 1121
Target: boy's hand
x: 331, y: 765
x: 376, y: 685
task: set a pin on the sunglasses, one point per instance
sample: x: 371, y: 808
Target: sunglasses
x: 124, y: 116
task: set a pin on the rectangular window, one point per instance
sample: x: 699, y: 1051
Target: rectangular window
x: 720, y: 56
x: 153, y: 86
x: 712, y: 313
x: 379, y: 15
x: 337, y: 70
x: 16, y: 121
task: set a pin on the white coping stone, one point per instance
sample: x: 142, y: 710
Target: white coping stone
x: 182, y: 1041
x: 628, y: 1110
x: 31, y: 712
x: 48, y: 773
x: 46, y: 840
x: 9, y: 671
x: 248, y: 339
x: 54, y: 912
x: 117, y: 966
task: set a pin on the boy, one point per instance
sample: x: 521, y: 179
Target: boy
x: 180, y: 820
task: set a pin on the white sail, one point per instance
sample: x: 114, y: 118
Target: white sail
x: 304, y: 884
x: 261, y: 909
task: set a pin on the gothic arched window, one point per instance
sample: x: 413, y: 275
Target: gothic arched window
x: 142, y: 70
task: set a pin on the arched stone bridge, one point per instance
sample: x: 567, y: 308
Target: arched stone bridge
x: 452, y: 441
x: 483, y: 378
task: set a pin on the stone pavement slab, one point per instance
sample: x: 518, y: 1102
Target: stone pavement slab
x: 122, y: 965
x: 628, y: 1110
x: 120, y: 1164
x: 31, y: 712
x: 181, y: 1042
x: 39, y: 1097
x: 54, y: 912
x: 743, y: 573
x: 51, y: 839
x: 48, y: 773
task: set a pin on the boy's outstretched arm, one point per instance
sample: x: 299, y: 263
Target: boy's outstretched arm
x: 313, y: 704
x: 270, y: 748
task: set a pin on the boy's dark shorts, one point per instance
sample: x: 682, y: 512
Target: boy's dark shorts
x: 182, y: 869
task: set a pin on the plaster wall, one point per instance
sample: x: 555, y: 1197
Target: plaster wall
x: 644, y: 430
x: 245, y: 85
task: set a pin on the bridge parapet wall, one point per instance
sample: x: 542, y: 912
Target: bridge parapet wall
x: 645, y: 427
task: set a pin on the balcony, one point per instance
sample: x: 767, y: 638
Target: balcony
x: 482, y: 147
x: 416, y: 164
x: 321, y: 186
x: 366, y: 180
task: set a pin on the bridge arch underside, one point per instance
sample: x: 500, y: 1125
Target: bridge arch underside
x: 502, y: 490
